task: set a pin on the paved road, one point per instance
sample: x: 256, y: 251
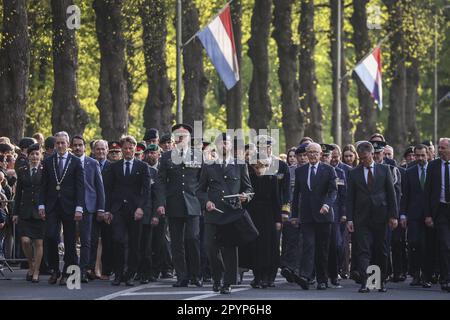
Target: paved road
x: 17, y: 289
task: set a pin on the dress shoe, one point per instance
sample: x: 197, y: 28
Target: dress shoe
x: 91, y: 275
x: 426, y: 284
x: 226, y: 289
x: 344, y: 275
x: 382, y: 287
x: 104, y: 277
x: 288, y: 274
x: 216, y: 287
x: 264, y: 284
x: 197, y: 282
x: 181, y: 284
x: 255, y: 284
x: 303, y: 282
x: 363, y: 289
x: 117, y: 280
x: 271, y: 284
x: 63, y: 280
x: 35, y: 280
x: 54, y: 278
x: 434, y: 279
x: 312, y: 282
x: 415, y: 282
x: 166, y: 275
x: 144, y: 280
x: 29, y: 277
x: 151, y: 279
x: 84, y: 278
x: 207, y: 279
x: 335, y: 283
x: 130, y: 282
x: 321, y: 286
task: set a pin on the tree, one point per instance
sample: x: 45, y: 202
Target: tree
x: 113, y: 96
x: 259, y: 104
x: 307, y: 73
x: 293, y: 118
x: 66, y: 113
x: 14, y: 69
x: 361, y: 41
x: 157, y: 110
x: 346, y: 124
x: 234, y: 96
x: 195, y: 82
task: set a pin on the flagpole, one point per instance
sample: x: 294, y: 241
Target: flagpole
x: 338, y: 77
x: 179, y: 45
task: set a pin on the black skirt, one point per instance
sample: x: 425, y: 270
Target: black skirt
x: 31, y: 228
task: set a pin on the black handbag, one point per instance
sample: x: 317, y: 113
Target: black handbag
x: 237, y: 233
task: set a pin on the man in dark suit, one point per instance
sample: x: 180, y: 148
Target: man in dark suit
x: 178, y: 175
x: 413, y: 214
x: 94, y: 200
x: 99, y: 227
x: 371, y: 205
x: 221, y: 178
x: 61, y: 201
x: 127, y: 194
x: 437, y: 206
x: 315, y: 185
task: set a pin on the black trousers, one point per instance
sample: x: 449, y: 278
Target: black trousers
x: 126, y: 233
x: 443, y: 230
x: 103, y: 231
x: 145, y: 265
x: 289, y: 246
x: 419, y: 249
x: 372, y: 238
x: 223, y: 261
x: 398, y: 249
x: 185, y: 232
x: 162, y: 256
x: 334, y: 251
x: 54, y: 220
x: 316, y: 244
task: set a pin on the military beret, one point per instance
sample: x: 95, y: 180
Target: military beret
x: 140, y: 147
x: 301, y: 148
x: 408, y: 150
x: 5, y: 147
x: 24, y: 143
x: 378, y: 146
x: 167, y: 137
x: 326, y: 148
x: 151, y: 134
x: 34, y: 147
x: 428, y: 143
x: 114, y: 146
x: 182, y: 126
x: 151, y: 147
x: 49, y: 143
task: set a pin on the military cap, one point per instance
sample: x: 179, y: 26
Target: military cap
x: 408, y: 150
x: 151, y: 134
x: 301, y: 148
x: 49, y: 143
x: 152, y: 147
x: 114, y: 146
x: 326, y: 148
x: 167, y: 137
x: 378, y: 146
x: 24, y: 143
x: 140, y: 147
x: 182, y: 126
x: 34, y: 147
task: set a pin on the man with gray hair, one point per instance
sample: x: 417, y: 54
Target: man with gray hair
x: 371, y: 206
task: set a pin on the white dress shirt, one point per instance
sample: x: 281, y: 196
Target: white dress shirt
x: 366, y: 170
x: 316, y: 166
x: 125, y: 165
x: 443, y: 181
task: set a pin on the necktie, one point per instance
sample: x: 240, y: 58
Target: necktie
x: 312, y: 176
x: 101, y: 166
x: 33, y: 172
x: 127, y: 168
x: 369, y: 178
x: 61, y: 166
x: 422, y: 177
x: 447, y: 182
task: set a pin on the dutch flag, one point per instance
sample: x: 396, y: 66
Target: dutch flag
x: 369, y: 71
x: 218, y: 40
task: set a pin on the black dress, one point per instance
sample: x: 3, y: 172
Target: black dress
x: 26, y: 203
x: 263, y: 254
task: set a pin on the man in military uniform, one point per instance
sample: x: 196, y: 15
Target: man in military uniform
x: 408, y: 155
x: 179, y: 175
x: 114, y: 151
x: 166, y: 142
x: 139, y: 154
x: 223, y: 178
x: 151, y: 136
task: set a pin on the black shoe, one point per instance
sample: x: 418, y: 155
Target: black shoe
x: 434, y: 279
x: 166, y: 275
x: 226, y: 289
x: 264, y: 284
x: 344, y: 275
x: 303, y: 282
x: 181, y: 284
x: 54, y: 278
x: 312, y: 282
x: 426, y: 284
x: 151, y: 279
x: 415, y: 282
x: 271, y: 284
x: 363, y: 289
x: 216, y: 287
x: 63, y: 280
x: 197, y: 282
x: 117, y: 280
x: 382, y: 287
x: 356, y: 276
x: 288, y: 274
x: 322, y: 286
x: 335, y: 283
x: 84, y: 278
x: 144, y: 280
x: 255, y: 284
x: 130, y: 282
x: 29, y: 277
x: 207, y: 280
x: 90, y: 275
x: 139, y: 277
x: 35, y: 280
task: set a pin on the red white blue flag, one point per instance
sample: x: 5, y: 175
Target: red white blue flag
x: 369, y: 71
x: 218, y: 40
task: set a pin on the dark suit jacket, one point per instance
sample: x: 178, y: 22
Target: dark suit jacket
x: 324, y: 191
x: 281, y: 170
x: 344, y: 167
x: 216, y: 182
x: 376, y: 206
x: 71, y: 194
x: 133, y: 190
x: 27, y: 193
x: 433, y: 188
x: 150, y: 209
x: 413, y: 198
x: 179, y: 185
x: 93, y: 185
x: 340, y: 203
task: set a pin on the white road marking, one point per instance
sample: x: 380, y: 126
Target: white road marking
x: 210, y: 295
x: 133, y: 289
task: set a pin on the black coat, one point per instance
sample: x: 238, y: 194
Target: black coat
x: 433, y: 188
x: 413, y: 199
x: 27, y: 193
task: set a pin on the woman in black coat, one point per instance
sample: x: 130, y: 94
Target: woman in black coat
x: 30, y: 226
x: 263, y: 254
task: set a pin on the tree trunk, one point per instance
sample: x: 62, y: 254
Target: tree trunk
x: 307, y: 76
x: 14, y: 69
x: 194, y: 80
x: 396, y: 129
x: 234, y: 96
x: 412, y: 97
x: 260, y: 108
x: 346, y: 125
x: 113, y: 99
x: 361, y: 41
x: 157, y: 110
x: 67, y: 114
x: 292, y: 117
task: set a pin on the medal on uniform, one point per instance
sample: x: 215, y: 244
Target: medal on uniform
x: 59, y: 182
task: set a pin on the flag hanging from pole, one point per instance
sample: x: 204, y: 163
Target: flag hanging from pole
x: 369, y: 71
x: 218, y: 40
